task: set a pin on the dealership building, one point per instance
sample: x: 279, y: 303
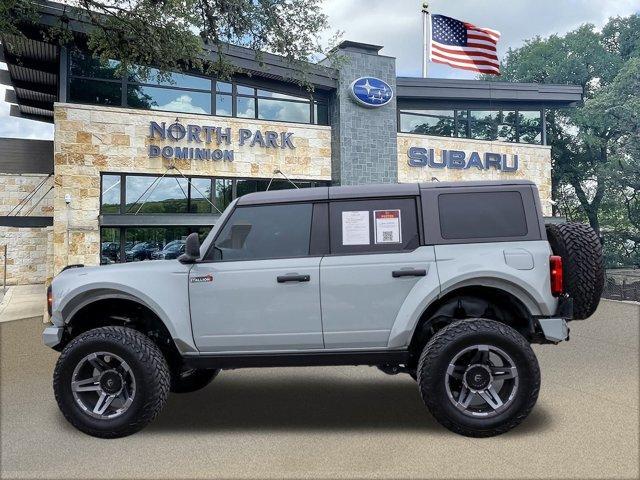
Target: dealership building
x: 138, y: 162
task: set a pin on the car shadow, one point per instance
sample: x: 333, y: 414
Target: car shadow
x: 295, y: 403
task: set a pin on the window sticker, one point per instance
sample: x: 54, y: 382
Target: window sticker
x: 355, y: 228
x: 387, y: 224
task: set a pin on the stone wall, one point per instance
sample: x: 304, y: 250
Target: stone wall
x: 534, y: 162
x: 364, y: 139
x: 92, y: 139
x: 26, y: 247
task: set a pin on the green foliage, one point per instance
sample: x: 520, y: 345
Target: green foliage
x: 596, y: 146
x: 172, y: 35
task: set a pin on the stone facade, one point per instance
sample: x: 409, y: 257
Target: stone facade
x: 363, y: 139
x: 534, y: 162
x: 89, y: 140
x: 26, y: 247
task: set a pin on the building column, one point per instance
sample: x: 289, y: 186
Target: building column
x: 363, y: 139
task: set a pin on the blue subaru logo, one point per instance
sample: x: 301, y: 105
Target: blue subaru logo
x: 371, y: 92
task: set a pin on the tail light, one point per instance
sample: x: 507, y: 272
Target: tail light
x: 555, y: 272
x: 49, y: 300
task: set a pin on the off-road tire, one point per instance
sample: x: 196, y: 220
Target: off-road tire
x: 191, y: 381
x: 149, y: 368
x: 582, y: 264
x: 443, y: 347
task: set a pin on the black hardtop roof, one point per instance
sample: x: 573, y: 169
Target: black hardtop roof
x: 362, y: 191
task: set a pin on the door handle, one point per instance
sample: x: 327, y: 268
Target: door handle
x: 414, y: 272
x: 293, y: 277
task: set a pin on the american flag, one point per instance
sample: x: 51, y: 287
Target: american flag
x: 463, y: 45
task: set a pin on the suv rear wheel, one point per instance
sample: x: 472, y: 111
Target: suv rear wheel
x: 478, y: 377
x: 111, y: 382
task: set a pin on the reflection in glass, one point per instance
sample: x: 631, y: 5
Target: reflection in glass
x: 223, y: 87
x: 242, y: 90
x: 111, y: 194
x: 110, y: 246
x: 84, y: 64
x: 530, y: 129
x: 154, y: 243
x: 200, y: 195
x: 223, y: 194
x: 223, y: 105
x: 463, y: 124
x: 283, y: 111
x: 156, y: 98
x: 428, y: 122
x: 267, y: 93
x: 95, y: 92
x: 153, y: 195
x: 152, y: 75
x: 246, y: 107
x: 321, y: 113
x: 484, y: 125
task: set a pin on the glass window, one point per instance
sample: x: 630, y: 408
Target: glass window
x: 242, y: 90
x: 223, y: 194
x: 152, y: 75
x: 262, y: 232
x: 529, y: 127
x: 223, y: 105
x: 484, y: 125
x: 506, y: 124
x: 482, y: 215
x: 110, y: 194
x: 156, y: 98
x: 428, y: 122
x: 200, y: 195
x: 223, y: 87
x: 155, y: 195
x: 109, y: 246
x: 283, y: 111
x: 245, y: 107
x: 321, y: 113
x: 266, y: 93
x: 95, y: 92
x: 392, y: 225
x: 83, y: 64
x: 244, y: 186
x: 462, y: 119
x: 154, y: 243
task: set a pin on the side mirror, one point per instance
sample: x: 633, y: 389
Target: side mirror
x: 191, y: 249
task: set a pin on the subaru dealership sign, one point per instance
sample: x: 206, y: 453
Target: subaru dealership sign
x: 371, y: 92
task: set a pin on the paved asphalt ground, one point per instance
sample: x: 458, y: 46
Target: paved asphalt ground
x: 337, y: 422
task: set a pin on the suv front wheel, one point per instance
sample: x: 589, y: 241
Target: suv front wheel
x: 478, y: 377
x: 111, y: 381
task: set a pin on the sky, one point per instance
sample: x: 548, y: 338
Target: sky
x: 397, y: 25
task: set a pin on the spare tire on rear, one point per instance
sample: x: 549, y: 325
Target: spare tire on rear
x: 582, y: 264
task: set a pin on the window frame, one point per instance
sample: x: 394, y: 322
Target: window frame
x: 419, y: 224
x: 208, y: 257
x: 125, y: 82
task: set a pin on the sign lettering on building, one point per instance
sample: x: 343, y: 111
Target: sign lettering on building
x: 458, y: 159
x: 208, y: 134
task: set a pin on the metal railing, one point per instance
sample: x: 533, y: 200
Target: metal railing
x: 622, y: 284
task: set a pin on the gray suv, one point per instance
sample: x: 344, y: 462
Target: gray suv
x: 449, y: 283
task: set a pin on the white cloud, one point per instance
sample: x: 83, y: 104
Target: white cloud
x: 184, y: 103
x: 398, y: 25
x: 19, y: 127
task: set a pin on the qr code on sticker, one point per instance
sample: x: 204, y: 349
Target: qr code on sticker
x: 387, y: 236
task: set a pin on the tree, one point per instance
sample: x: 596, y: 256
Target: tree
x: 172, y: 35
x: 595, y: 146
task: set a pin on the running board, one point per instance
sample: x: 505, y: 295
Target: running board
x: 305, y: 359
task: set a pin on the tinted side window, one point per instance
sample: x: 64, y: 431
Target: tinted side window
x: 373, y: 226
x: 265, y: 231
x: 482, y: 215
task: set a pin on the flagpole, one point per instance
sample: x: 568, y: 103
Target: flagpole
x: 426, y: 37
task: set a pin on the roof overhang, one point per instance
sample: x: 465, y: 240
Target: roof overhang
x: 411, y: 92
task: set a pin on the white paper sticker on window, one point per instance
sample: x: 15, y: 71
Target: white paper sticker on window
x: 355, y: 228
x: 387, y: 224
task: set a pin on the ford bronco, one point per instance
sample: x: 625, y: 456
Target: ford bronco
x: 449, y: 283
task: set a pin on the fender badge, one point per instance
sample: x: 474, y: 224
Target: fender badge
x: 204, y: 278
